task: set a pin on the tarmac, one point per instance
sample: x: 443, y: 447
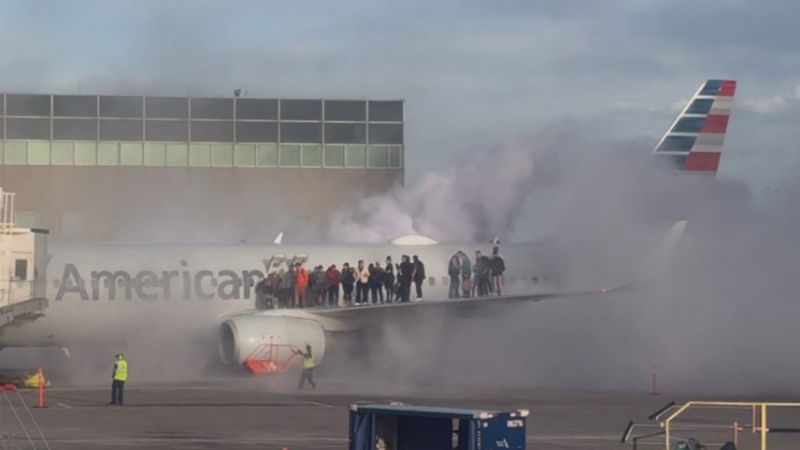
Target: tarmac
x: 256, y: 414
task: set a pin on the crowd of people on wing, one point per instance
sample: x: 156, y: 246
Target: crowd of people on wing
x: 375, y: 283
x: 478, y: 279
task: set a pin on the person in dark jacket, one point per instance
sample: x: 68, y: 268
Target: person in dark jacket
x: 376, y: 283
x: 348, y: 279
x: 261, y: 294
x: 418, y: 276
x: 454, y: 271
x: 388, y: 280
x: 482, y: 270
x: 498, y: 266
x: 405, y: 274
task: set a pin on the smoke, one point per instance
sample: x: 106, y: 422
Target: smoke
x: 476, y: 199
x: 720, y: 318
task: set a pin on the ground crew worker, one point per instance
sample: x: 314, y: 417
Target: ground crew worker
x: 308, y: 368
x: 33, y: 381
x: 119, y: 376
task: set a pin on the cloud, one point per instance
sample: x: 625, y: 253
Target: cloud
x: 767, y: 105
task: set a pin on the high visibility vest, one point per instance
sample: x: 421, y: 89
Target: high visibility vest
x: 121, y: 371
x: 308, y: 362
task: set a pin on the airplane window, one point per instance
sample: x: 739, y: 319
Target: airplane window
x: 535, y: 280
x: 432, y: 281
x: 445, y: 281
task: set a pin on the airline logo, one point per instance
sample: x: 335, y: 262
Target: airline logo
x: 696, y: 137
x: 181, y: 283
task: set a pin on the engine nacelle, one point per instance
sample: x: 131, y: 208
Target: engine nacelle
x: 242, y: 337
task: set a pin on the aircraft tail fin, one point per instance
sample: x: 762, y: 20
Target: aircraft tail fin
x: 695, y: 139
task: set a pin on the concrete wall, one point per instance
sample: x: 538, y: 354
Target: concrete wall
x: 187, y: 204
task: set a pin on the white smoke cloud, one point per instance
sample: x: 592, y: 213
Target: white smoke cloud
x: 476, y: 199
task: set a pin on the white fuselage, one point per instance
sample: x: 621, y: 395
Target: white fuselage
x: 104, y: 293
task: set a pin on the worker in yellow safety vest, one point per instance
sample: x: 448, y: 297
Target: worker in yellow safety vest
x: 119, y: 377
x: 308, y: 368
x: 33, y: 381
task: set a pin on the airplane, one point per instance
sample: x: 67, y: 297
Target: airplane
x: 112, y: 293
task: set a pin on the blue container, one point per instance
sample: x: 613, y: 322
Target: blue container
x: 407, y: 427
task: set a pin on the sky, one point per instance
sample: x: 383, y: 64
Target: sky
x: 473, y: 74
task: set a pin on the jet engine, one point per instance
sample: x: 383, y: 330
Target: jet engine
x: 247, y: 337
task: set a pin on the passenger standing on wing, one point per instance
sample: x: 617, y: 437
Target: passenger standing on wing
x: 300, y: 285
x: 388, y: 280
x: 320, y: 286
x: 286, y: 294
x: 308, y: 368
x: 379, y: 277
x: 419, y: 276
x: 405, y: 273
x: 466, y: 273
x: 333, y: 277
x: 348, y: 280
x: 372, y: 283
x: 362, y: 283
x: 454, y: 271
x: 261, y: 293
x: 118, y: 377
x: 498, y: 266
x: 480, y: 270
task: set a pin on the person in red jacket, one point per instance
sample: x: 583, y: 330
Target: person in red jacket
x: 334, y: 277
x: 300, y: 285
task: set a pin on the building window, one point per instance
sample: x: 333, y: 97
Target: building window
x: 154, y: 154
x: 16, y: 153
x: 63, y: 154
x: 334, y: 156
x: 312, y: 155
x: 395, y: 157
x: 290, y: 156
x: 386, y: 111
x: 245, y: 155
x: 355, y: 156
x: 222, y: 155
x: 85, y: 153
x: 38, y: 153
x: 301, y: 132
x: 176, y: 155
x: 378, y: 156
x: 130, y: 154
x: 267, y: 155
x: 301, y: 110
x: 108, y: 154
x: 21, y: 269
x: 200, y: 155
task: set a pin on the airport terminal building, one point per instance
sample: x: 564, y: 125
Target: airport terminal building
x: 187, y: 169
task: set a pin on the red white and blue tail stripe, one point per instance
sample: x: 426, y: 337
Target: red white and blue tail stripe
x: 696, y: 137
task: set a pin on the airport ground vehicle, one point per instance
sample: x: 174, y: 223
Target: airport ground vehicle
x: 406, y: 427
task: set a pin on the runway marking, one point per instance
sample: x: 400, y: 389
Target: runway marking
x: 324, y: 405
x: 64, y: 405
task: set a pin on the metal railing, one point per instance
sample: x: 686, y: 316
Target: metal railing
x: 665, y: 422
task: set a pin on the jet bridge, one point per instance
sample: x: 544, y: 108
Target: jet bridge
x: 23, y: 253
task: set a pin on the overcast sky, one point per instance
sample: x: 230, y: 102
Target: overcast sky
x: 472, y: 73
